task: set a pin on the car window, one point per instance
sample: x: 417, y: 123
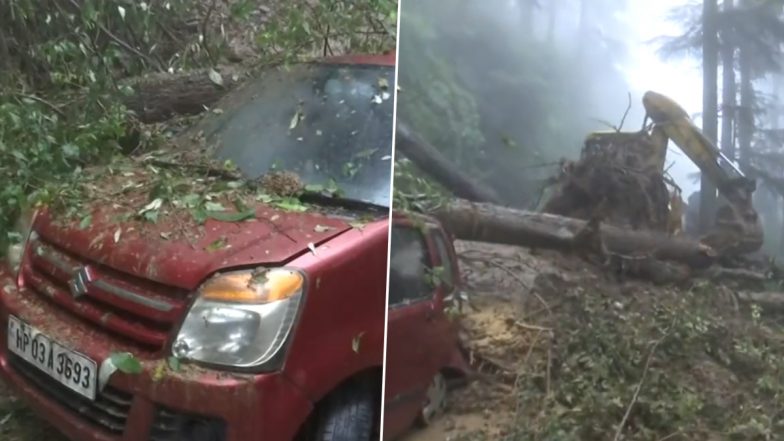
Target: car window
x: 446, y: 271
x: 409, y: 266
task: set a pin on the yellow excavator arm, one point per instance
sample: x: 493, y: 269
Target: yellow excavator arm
x: 737, y: 229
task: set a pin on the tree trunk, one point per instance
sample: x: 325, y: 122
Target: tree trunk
x: 440, y: 168
x: 728, y: 92
x: 158, y: 97
x: 746, y: 114
x: 490, y: 223
x: 709, y: 104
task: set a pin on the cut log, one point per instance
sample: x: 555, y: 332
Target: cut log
x: 158, y: 97
x: 440, y: 168
x: 772, y: 301
x: 491, y: 223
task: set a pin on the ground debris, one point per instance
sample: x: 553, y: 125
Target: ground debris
x: 691, y: 360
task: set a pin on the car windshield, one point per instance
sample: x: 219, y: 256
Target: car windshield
x: 331, y: 124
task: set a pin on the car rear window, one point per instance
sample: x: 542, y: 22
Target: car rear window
x: 408, y: 267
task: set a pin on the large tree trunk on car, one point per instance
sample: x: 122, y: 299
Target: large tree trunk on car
x: 440, y: 168
x: 160, y: 96
x: 491, y: 223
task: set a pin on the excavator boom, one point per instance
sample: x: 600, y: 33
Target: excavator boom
x: 737, y: 229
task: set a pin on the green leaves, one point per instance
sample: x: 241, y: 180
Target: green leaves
x: 174, y: 363
x: 365, y: 27
x: 85, y: 222
x: 225, y: 216
x: 217, y: 244
x: 290, y: 204
x: 126, y: 362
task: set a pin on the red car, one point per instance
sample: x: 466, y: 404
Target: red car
x: 280, y: 332
x: 423, y: 352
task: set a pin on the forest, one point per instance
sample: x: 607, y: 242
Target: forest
x: 507, y: 110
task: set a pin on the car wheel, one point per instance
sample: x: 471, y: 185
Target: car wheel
x: 435, y: 400
x: 347, y: 416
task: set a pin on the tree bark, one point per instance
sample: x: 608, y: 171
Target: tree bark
x: 158, y: 97
x: 710, y: 60
x: 440, y: 168
x: 746, y: 114
x: 491, y: 223
x: 728, y: 91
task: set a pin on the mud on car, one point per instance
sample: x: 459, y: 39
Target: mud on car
x: 184, y: 300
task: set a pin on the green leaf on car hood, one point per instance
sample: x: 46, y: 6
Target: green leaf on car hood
x: 126, y: 363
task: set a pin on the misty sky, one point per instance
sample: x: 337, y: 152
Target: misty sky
x: 680, y: 79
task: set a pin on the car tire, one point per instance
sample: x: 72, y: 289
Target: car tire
x: 347, y: 416
x: 435, y: 400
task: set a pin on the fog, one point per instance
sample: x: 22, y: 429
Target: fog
x: 507, y: 87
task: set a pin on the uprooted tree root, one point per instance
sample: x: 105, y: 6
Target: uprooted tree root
x: 622, y: 172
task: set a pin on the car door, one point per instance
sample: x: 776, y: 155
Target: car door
x: 444, y: 329
x: 411, y: 360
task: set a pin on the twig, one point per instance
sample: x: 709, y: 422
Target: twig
x: 44, y: 102
x: 542, y: 164
x: 547, y: 379
x: 626, y: 113
x: 637, y: 390
x: 532, y: 327
x: 120, y: 41
x: 204, y: 24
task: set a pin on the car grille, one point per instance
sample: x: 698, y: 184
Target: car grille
x: 170, y: 425
x: 109, y: 411
x: 136, y: 309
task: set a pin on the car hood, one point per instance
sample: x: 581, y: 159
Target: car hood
x: 179, y: 252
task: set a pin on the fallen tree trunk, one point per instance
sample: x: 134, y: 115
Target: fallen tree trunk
x: 434, y: 163
x: 491, y: 223
x: 772, y: 301
x: 160, y: 96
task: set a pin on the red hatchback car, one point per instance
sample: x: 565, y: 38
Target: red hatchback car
x: 280, y: 332
x: 423, y: 352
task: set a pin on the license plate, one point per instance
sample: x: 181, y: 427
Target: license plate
x: 71, y: 369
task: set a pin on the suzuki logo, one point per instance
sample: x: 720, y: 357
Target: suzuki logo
x: 80, y: 282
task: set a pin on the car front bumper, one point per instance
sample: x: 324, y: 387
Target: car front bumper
x: 193, y: 402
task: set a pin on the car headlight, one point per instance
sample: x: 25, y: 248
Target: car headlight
x: 242, y: 319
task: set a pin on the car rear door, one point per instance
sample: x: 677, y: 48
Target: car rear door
x: 412, y: 340
x: 446, y: 280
